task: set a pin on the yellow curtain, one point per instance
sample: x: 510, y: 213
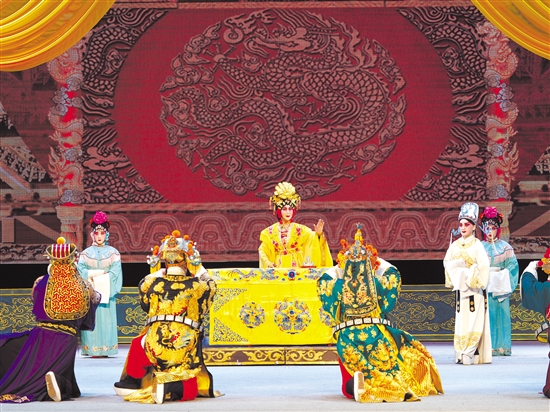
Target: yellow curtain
x: 33, y: 32
x: 527, y: 22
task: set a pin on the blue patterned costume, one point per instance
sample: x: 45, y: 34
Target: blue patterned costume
x: 396, y: 367
x: 103, y: 340
x: 535, y: 295
x: 501, y: 256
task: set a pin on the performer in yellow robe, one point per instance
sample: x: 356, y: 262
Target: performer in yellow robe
x: 287, y: 244
x: 176, y: 304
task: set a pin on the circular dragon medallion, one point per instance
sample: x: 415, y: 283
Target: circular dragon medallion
x: 292, y: 316
x: 282, y: 95
x: 252, y: 315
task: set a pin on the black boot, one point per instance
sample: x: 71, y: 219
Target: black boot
x: 171, y: 391
x: 174, y: 390
x: 127, y: 385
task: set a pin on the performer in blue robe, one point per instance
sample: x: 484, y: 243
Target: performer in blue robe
x: 503, y: 280
x: 100, y: 264
x: 38, y: 364
x: 535, y: 295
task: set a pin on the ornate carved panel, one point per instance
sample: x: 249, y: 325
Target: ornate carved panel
x: 399, y: 230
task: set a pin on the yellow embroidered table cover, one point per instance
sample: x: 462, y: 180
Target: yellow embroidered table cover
x: 268, y: 307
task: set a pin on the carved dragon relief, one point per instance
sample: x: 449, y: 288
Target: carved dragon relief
x: 458, y: 174
x: 282, y: 94
x: 283, y: 66
x: 109, y: 176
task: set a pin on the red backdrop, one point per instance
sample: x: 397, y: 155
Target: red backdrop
x: 143, y: 138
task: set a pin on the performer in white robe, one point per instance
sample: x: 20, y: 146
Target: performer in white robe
x: 467, y: 273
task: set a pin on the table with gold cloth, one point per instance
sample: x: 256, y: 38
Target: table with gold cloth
x: 268, y: 307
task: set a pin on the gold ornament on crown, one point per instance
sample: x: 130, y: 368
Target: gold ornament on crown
x: 544, y: 263
x: 176, y: 251
x: 358, y: 250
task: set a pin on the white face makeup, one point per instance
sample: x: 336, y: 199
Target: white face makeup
x: 99, y: 237
x: 286, y: 214
x: 491, y: 232
x: 466, y: 228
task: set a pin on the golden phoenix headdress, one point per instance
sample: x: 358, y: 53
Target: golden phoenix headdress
x: 284, y: 194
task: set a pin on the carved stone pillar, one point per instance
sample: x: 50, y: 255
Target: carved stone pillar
x: 71, y: 224
x: 503, y: 157
x: 66, y: 118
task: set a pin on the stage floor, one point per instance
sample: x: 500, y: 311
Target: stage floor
x: 511, y: 383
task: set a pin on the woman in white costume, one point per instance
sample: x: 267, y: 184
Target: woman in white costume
x: 467, y: 272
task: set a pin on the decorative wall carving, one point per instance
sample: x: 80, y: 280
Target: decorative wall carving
x: 282, y: 93
x: 109, y: 176
x: 458, y: 174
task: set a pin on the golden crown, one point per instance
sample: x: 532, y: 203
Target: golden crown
x: 175, y: 250
x: 284, y: 194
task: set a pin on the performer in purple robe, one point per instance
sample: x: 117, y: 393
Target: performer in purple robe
x: 38, y: 364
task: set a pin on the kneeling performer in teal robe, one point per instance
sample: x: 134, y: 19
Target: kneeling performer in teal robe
x: 379, y: 363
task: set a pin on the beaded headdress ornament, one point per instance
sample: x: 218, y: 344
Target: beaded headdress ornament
x: 176, y: 251
x: 99, y: 222
x: 358, y: 250
x: 490, y: 216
